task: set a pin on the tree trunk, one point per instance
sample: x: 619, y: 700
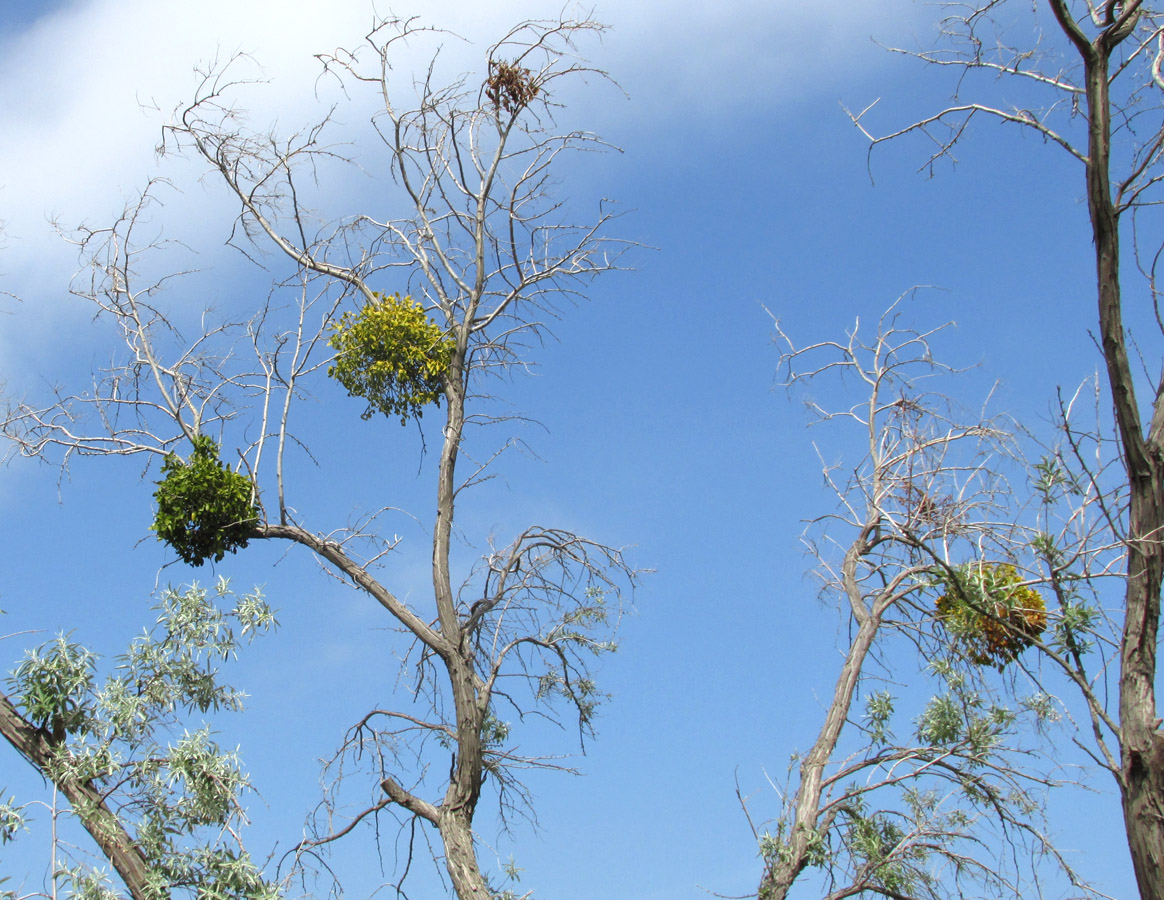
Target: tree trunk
x: 1141, y: 744
x: 1143, y: 803
x: 89, y: 806
x: 456, y: 828
x: 464, y: 790
x: 781, y: 874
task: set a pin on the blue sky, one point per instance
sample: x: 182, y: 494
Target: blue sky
x: 662, y: 427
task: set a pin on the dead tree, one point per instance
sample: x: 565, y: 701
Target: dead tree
x: 919, y: 783
x: 438, y: 298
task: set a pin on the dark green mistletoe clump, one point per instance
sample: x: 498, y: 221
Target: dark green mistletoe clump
x: 392, y: 355
x: 205, y: 509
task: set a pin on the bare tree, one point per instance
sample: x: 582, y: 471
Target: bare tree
x: 1091, y: 86
x: 484, y: 249
x: 930, y: 787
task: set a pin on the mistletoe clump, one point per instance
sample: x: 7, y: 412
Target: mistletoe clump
x: 392, y: 355
x: 510, y: 86
x: 988, y: 609
x: 205, y: 509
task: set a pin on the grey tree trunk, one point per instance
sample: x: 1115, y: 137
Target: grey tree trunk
x: 464, y: 790
x: 1141, y: 776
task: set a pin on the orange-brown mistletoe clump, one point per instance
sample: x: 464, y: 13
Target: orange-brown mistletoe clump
x: 509, y: 86
x: 989, y: 610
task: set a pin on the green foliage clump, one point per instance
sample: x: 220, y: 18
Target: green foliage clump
x: 574, y: 634
x: 887, y: 856
x: 962, y: 718
x: 392, y: 355
x: 776, y: 850
x: 990, y: 612
x: 205, y: 509
x: 81, y: 883
x: 942, y: 722
x: 50, y: 685
x: 878, y: 710
x: 169, y: 786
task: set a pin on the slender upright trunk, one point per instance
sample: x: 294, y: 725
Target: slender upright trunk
x: 781, y: 874
x: 464, y: 790
x: 780, y: 877
x: 1141, y: 778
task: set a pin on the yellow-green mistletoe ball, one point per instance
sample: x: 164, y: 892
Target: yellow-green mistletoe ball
x: 392, y: 355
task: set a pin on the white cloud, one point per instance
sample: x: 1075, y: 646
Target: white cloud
x: 738, y: 56
x: 79, y: 86
x: 87, y: 89
x: 73, y: 88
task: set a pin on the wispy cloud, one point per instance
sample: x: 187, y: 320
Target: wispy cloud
x: 86, y: 90
x: 736, y: 57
